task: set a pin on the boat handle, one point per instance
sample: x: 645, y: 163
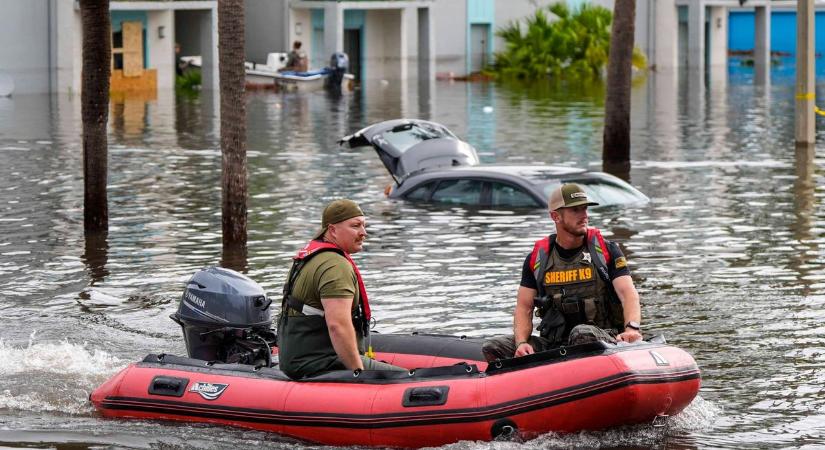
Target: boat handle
x: 168, y: 386
x: 661, y: 421
x: 425, y: 396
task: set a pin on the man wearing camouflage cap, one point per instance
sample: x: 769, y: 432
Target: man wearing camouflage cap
x: 578, y: 283
x: 325, y: 311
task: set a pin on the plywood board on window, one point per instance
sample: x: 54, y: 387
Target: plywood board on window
x: 132, y: 49
x: 148, y: 81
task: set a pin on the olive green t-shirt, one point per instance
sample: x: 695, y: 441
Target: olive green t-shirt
x: 326, y: 275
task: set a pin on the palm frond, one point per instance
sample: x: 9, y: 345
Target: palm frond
x: 558, y: 41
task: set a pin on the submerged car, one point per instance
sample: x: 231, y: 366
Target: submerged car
x: 429, y: 163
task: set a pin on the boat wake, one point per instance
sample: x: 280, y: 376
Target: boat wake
x: 700, y: 415
x: 52, y: 376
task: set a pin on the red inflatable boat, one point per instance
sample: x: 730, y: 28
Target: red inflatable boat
x: 449, y: 394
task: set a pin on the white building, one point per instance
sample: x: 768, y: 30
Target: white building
x: 42, y: 43
x: 388, y: 39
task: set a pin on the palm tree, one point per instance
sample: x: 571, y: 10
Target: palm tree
x: 616, y: 145
x: 233, y: 125
x: 573, y: 44
x: 97, y: 57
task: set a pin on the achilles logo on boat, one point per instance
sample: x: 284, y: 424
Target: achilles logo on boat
x: 209, y: 391
x: 660, y: 360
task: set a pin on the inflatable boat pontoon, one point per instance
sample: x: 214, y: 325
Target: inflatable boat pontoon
x: 449, y: 393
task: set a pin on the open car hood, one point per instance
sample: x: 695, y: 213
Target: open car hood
x: 406, y: 146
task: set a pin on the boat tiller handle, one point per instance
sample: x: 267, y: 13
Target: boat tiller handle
x: 168, y: 386
x: 425, y: 396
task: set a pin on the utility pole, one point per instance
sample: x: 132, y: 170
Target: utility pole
x: 805, y: 95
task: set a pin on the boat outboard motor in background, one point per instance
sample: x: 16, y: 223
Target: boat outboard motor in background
x: 225, y: 317
x: 339, y: 64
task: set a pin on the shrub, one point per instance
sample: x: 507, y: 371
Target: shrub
x: 576, y: 43
x: 189, y: 81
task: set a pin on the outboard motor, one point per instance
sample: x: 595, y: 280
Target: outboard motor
x: 225, y: 317
x: 339, y: 64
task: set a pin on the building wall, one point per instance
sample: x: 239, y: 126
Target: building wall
x: 410, y: 20
x: 67, y: 41
x: 450, y: 26
x: 161, y: 41
x: 26, y: 44
x: 510, y: 11
x: 383, y: 52
x: 662, y: 48
x: 265, y: 29
x: 783, y: 31
x: 452, y: 20
x: 41, y: 41
x: 315, y: 49
x: 717, y: 44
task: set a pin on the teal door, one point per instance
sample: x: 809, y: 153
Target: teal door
x: 479, y: 35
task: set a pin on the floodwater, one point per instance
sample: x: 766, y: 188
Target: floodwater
x: 728, y: 256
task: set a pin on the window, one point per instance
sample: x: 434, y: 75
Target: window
x: 458, y: 192
x: 127, y: 49
x: 507, y: 195
x: 421, y: 193
x: 405, y: 136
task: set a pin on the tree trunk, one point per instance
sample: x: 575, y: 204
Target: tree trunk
x: 97, y: 57
x: 96, y: 256
x: 233, y: 123
x: 616, y: 145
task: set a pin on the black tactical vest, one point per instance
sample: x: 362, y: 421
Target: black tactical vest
x: 578, y: 288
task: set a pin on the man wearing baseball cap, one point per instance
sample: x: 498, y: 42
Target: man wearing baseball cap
x: 578, y: 283
x: 325, y: 311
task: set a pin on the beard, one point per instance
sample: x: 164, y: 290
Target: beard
x: 575, y: 230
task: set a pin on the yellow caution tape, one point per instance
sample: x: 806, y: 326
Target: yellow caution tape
x: 811, y: 96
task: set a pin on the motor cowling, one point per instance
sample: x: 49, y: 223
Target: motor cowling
x: 338, y: 64
x: 339, y: 61
x: 225, y: 316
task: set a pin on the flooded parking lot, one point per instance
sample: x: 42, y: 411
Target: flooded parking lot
x: 728, y: 256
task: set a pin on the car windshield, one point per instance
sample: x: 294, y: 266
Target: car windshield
x: 603, y: 192
x: 405, y: 136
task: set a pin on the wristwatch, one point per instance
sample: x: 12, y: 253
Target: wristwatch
x: 633, y: 325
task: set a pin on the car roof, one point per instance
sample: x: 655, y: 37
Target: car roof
x: 536, y: 180
x: 533, y: 173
